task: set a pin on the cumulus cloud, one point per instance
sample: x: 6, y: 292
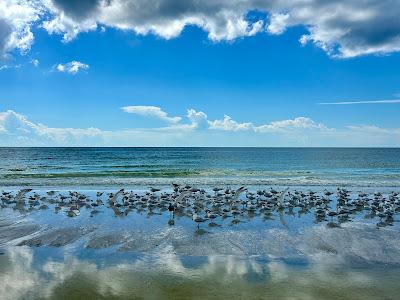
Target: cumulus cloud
x: 198, y: 119
x: 278, y: 23
x: 14, y: 125
x: 72, y: 67
x: 228, y: 124
x: 292, y: 124
x: 70, y: 18
x: 150, y: 111
x: 223, y: 20
x: 341, y: 28
x: 18, y: 130
x: 16, y: 21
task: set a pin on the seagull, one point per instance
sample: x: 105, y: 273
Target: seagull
x: 21, y: 194
x: 238, y: 192
x: 197, y: 219
x: 282, y: 196
x: 182, y: 196
x: 115, y: 196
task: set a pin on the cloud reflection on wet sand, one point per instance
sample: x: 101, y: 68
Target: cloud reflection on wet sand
x: 165, y: 275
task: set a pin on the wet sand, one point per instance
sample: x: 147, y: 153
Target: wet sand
x: 47, y: 274
x: 292, y: 254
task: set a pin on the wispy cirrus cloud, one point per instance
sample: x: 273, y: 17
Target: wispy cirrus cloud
x: 361, y: 102
x: 5, y: 67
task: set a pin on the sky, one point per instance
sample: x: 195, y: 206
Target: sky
x: 200, y: 73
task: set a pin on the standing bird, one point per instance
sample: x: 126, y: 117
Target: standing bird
x: 182, y: 196
x: 198, y: 220
x: 171, y: 209
x: 238, y: 192
x: 282, y: 196
x: 21, y: 194
x: 114, y: 197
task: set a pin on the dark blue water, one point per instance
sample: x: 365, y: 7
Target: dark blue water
x: 79, y: 167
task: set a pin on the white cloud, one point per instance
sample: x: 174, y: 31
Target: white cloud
x: 67, y: 23
x: 361, y: 102
x: 341, y: 28
x: 35, y: 62
x: 348, y: 28
x: 278, y: 23
x: 198, y: 119
x: 72, y: 67
x: 167, y: 19
x: 375, y: 129
x: 13, y: 125
x: 17, y: 130
x: 5, y: 67
x: 291, y: 124
x: 16, y: 21
x: 228, y: 124
x: 150, y: 111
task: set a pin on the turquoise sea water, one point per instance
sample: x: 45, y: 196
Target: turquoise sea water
x: 114, y: 167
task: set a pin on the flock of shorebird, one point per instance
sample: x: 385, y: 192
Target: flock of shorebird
x: 217, y: 204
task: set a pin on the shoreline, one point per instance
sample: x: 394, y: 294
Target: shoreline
x: 121, y: 251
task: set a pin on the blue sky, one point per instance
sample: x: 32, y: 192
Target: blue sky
x: 71, y: 91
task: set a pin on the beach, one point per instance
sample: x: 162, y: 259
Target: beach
x: 199, y: 223
x: 215, y: 149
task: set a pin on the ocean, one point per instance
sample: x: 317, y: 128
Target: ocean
x: 132, y: 167
x: 199, y: 223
